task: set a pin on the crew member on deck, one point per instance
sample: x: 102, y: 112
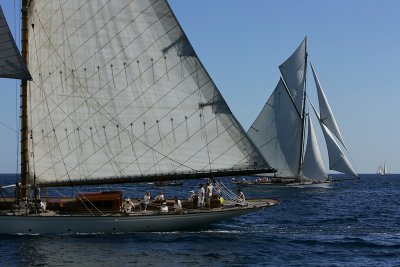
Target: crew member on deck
x: 127, y: 206
x: 41, y: 206
x: 146, y: 201
x: 177, y: 205
x: 201, y: 194
x: 240, y: 196
x: 159, y: 197
x: 209, y: 192
x: 164, y: 207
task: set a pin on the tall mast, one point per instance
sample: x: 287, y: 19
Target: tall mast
x: 24, y: 106
x: 303, y: 114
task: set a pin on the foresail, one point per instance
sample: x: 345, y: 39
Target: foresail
x: 337, y: 160
x: 11, y: 64
x: 120, y: 92
x: 313, y: 165
x: 277, y: 133
x: 293, y: 71
x: 325, y: 111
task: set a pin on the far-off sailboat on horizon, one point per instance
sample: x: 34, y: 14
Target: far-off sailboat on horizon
x: 383, y: 170
x: 285, y: 135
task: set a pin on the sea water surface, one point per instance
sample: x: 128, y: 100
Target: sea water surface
x: 350, y: 223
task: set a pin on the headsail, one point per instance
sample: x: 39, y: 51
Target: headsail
x: 337, y: 160
x: 277, y: 132
x: 325, y: 111
x: 11, y: 64
x: 120, y: 93
x: 313, y: 165
x: 293, y: 71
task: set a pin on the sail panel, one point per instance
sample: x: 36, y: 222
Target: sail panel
x: 120, y: 92
x: 326, y: 114
x: 11, y: 64
x: 337, y: 160
x: 277, y: 133
x: 313, y: 165
x: 293, y: 71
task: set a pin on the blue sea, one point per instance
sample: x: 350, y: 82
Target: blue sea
x: 350, y: 223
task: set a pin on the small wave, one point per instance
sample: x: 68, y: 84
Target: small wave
x: 348, y: 242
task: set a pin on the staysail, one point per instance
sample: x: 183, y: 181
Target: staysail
x: 313, y: 165
x: 337, y: 159
x: 277, y: 132
x: 11, y: 64
x: 119, y: 94
x: 325, y: 111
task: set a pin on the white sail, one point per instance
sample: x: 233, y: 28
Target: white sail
x: 293, y: 71
x: 119, y: 91
x: 325, y: 111
x: 277, y: 133
x: 379, y: 170
x: 11, y: 65
x: 313, y: 165
x: 337, y: 160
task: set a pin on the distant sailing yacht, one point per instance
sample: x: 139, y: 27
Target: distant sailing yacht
x: 117, y: 95
x: 285, y: 135
x: 382, y: 170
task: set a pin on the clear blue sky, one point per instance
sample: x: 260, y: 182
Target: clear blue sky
x: 354, y: 46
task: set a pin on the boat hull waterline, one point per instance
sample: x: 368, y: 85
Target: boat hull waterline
x: 107, y: 224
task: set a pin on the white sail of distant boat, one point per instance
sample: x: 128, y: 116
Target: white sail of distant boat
x: 118, y: 96
x: 11, y: 64
x: 382, y: 170
x: 287, y: 148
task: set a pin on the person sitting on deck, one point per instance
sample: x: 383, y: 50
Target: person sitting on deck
x: 240, y: 196
x: 127, y: 206
x: 177, y: 205
x: 164, y: 207
x: 159, y: 197
x: 191, y: 195
x: 41, y: 206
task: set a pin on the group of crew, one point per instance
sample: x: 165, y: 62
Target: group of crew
x: 205, y: 194
x: 204, y: 197
x: 128, y: 205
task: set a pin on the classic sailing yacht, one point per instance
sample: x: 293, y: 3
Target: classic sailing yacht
x: 284, y: 133
x: 118, y: 95
x: 382, y: 170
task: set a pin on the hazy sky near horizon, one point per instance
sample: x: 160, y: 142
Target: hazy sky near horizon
x: 353, y: 45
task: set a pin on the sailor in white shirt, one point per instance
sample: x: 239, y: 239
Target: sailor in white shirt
x: 177, y: 205
x: 127, y: 206
x: 201, y: 194
x: 164, y: 208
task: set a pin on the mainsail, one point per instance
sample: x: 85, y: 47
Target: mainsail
x: 293, y: 71
x: 11, y: 64
x: 277, y: 132
x: 119, y: 94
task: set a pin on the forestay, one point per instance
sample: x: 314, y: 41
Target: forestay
x: 119, y: 91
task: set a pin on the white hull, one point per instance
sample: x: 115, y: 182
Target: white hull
x: 58, y: 224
